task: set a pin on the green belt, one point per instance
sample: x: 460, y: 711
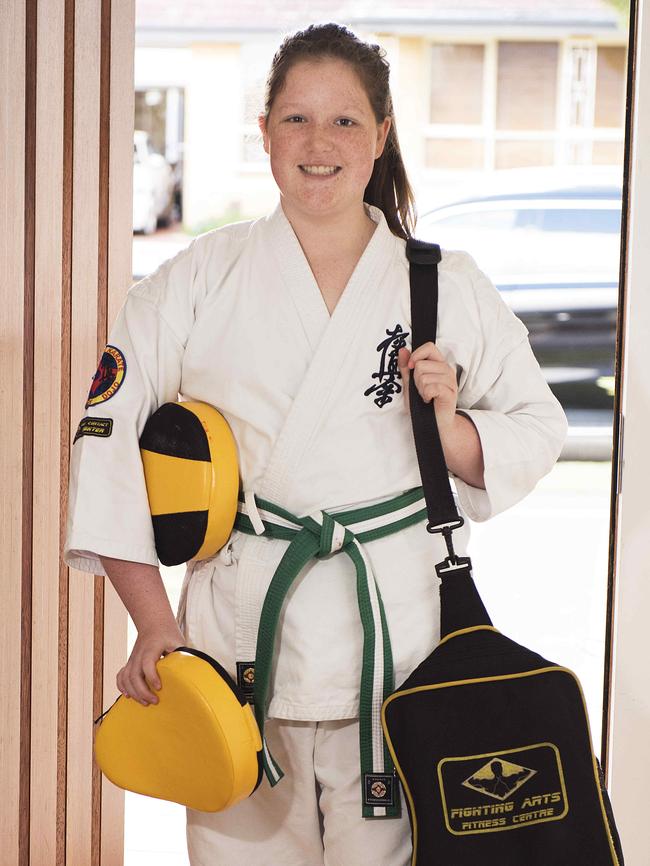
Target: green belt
x: 317, y: 536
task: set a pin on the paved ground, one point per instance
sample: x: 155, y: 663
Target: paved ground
x: 541, y: 568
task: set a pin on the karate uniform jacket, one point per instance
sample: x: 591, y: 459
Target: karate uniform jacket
x: 317, y: 408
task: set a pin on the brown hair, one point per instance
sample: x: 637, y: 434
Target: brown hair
x: 388, y: 187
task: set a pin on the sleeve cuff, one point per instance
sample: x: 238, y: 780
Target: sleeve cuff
x: 82, y: 552
x: 474, y: 501
x: 511, y: 469
x: 505, y: 485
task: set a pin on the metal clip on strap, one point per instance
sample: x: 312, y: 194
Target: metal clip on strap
x: 446, y: 529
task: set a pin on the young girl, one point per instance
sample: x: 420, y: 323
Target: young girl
x: 297, y: 328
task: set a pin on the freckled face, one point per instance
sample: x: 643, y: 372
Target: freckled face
x: 323, y: 138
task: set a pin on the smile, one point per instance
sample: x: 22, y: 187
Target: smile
x: 320, y: 169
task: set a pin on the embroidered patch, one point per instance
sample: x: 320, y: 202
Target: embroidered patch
x: 94, y: 427
x: 379, y: 789
x: 502, y: 790
x: 388, y: 374
x: 246, y: 679
x: 109, y: 376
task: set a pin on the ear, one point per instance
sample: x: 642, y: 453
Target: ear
x: 261, y: 122
x: 383, y: 129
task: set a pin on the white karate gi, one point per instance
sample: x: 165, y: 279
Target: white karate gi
x: 237, y: 320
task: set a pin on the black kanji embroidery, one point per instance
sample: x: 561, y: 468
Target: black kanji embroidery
x: 388, y: 374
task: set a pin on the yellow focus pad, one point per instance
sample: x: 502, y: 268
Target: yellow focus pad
x: 199, y: 745
x: 175, y: 484
x: 189, y: 457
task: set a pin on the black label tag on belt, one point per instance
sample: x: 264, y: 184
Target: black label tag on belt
x: 246, y: 679
x: 94, y: 427
x: 503, y: 790
x: 379, y: 789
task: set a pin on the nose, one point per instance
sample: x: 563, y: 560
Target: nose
x: 320, y: 138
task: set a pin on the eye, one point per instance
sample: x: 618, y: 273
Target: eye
x: 295, y: 118
x: 345, y: 121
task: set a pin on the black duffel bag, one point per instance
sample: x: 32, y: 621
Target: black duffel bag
x: 491, y: 741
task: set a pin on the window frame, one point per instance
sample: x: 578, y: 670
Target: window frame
x: 564, y: 136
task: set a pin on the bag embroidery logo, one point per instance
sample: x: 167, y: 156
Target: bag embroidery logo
x: 493, y: 792
x: 499, y: 779
x: 388, y: 375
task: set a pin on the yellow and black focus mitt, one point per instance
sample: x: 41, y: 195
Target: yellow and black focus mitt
x: 189, y: 456
x: 199, y: 746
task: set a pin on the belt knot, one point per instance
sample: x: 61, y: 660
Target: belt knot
x: 333, y: 536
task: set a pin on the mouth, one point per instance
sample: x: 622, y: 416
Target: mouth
x: 320, y: 170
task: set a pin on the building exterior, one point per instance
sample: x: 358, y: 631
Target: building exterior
x: 478, y: 86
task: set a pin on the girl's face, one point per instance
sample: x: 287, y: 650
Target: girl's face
x: 323, y: 139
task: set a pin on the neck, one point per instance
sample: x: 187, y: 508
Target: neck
x: 335, y: 234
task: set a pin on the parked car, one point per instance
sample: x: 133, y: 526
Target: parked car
x: 572, y: 331
x: 554, y: 256
x: 153, y: 185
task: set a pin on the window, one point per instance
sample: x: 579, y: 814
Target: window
x: 485, y: 220
x: 584, y: 220
x: 514, y: 104
x: 457, y: 83
x: 527, y: 85
x: 580, y: 61
x: 610, y: 86
x: 607, y: 152
x: 518, y: 154
x: 455, y: 153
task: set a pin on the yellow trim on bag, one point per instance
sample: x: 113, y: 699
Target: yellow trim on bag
x: 467, y: 631
x: 398, y: 694
x: 172, y: 481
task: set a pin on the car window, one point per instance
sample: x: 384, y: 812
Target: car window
x: 586, y: 220
x: 496, y: 220
x: 601, y: 221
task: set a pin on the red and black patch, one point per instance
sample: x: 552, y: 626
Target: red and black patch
x: 108, y: 378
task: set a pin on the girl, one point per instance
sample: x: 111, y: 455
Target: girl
x: 297, y: 328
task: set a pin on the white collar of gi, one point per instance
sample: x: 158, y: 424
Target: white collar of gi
x: 277, y: 217
x: 292, y: 265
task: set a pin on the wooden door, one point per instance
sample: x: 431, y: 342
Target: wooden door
x: 66, y: 109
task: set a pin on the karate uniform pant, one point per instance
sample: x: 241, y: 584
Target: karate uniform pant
x: 313, y: 815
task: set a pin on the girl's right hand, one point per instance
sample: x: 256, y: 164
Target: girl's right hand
x: 139, y: 676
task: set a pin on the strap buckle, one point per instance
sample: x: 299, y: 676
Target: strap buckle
x: 446, y: 529
x: 448, y: 565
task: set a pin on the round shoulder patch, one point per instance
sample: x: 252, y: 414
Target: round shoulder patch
x: 109, y: 376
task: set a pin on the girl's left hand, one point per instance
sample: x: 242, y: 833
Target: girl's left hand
x: 435, y: 380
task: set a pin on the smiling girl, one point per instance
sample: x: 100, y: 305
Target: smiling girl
x: 297, y: 328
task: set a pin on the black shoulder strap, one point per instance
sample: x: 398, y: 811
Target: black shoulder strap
x: 460, y: 603
x: 441, y: 508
